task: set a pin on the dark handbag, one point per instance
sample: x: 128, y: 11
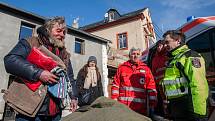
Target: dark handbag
x: 85, y: 98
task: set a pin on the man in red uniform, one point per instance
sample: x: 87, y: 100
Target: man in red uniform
x: 134, y: 84
x: 158, y: 69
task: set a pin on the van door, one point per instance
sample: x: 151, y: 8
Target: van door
x: 205, y: 45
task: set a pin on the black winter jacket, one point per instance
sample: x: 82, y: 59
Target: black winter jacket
x: 16, y: 63
x: 96, y: 91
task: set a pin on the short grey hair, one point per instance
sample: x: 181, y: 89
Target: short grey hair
x: 133, y: 49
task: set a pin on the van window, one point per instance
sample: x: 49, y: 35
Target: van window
x: 205, y: 44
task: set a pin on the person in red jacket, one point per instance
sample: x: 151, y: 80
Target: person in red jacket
x: 134, y: 85
x: 158, y: 69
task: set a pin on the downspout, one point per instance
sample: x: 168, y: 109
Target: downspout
x: 105, y: 69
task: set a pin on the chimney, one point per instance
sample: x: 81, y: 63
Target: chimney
x: 106, y: 17
x: 75, y: 23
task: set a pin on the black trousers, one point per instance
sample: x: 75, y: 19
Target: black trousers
x: 181, y: 109
x: 159, y: 109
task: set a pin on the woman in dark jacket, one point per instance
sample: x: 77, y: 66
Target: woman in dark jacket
x: 89, y: 83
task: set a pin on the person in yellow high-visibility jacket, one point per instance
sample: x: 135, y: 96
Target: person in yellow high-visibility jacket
x: 185, y: 81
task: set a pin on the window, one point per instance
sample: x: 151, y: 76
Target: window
x: 198, y: 44
x: 26, y: 30
x: 204, y: 43
x: 79, y: 46
x: 111, y: 16
x: 122, y: 41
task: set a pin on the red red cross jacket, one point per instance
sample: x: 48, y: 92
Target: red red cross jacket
x: 159, y: 65
x: 158, y: 70
x: 132, y: 85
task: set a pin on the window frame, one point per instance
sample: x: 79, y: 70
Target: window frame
x: 118, y: 40
x: 28, y: 26
x: 82, y: 43
x: 111, y: 16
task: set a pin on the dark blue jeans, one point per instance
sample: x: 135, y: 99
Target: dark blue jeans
x: 21, y: 117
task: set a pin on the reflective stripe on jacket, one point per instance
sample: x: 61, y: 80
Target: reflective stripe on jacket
x: 132, y: 86
x: 185, y: 75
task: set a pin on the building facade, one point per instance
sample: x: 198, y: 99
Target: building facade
x: 134, y: 29
x: 16, y: 24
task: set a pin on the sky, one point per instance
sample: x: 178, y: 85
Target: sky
x: 166, y: 14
